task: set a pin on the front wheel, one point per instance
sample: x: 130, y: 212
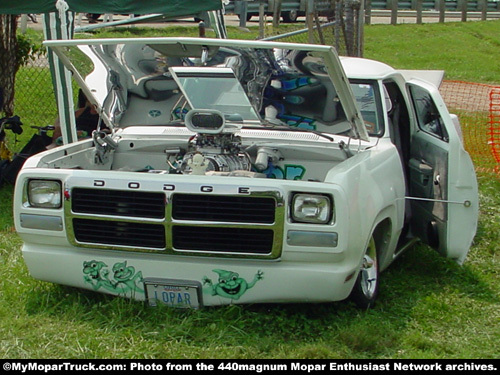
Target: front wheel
x: 365, y: 289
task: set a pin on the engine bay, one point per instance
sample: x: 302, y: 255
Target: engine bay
x: 253, y: 153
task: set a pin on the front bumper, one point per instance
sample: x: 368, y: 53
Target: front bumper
x: 123, y: 274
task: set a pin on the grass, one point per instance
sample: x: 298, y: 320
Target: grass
x: 428, y: 306
x: 467, y: 51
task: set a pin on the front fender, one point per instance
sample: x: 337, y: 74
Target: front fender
x: 374, y: 184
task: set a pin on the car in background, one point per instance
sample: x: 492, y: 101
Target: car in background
x: 290, y: 10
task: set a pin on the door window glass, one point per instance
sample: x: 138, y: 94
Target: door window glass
x: 428, y: 117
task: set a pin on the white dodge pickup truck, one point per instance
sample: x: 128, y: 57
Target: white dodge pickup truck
x: 226, y: 171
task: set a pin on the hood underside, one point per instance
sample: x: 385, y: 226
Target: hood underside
x: 133, y: 82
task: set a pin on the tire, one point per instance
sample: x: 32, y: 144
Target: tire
x: 365, y: 290
x: 249, y: 17
x: 291, y: 16
x: 93, y: 16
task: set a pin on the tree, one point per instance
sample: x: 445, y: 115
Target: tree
x: 9, y: 61
x: 348, y: 30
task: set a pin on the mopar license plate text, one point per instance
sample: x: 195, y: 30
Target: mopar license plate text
x: 173, y: 293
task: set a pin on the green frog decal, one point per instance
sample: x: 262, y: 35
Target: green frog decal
x: 125, y: 279
x: 230, y: 284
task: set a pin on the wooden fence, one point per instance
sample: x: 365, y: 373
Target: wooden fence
x: 417, y: 9
x: 439, y: 9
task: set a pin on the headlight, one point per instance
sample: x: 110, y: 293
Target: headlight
x: 312, y: 208
x: 44, y: 193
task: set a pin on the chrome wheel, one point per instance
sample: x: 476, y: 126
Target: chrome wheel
x: 365, y: 290
x: 369, y: 271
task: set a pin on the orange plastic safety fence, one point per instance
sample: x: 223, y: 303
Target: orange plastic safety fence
x: 494, y: 131
x: 478, y: 109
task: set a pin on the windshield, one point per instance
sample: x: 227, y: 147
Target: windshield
x: 216, y: 89
x: 368, y: 99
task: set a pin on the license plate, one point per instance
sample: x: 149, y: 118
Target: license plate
x: 173, y: 293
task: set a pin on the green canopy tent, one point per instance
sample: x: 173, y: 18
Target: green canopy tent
x: 173, y: 7
x: 59, y: 16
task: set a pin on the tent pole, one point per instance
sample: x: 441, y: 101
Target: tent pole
x: 60, y: 25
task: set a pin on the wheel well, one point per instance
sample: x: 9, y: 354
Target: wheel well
x: 382, y: 237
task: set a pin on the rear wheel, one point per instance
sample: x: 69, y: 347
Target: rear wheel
x: 248, y: 17
x: 290, y: 16
x: 365, y: 289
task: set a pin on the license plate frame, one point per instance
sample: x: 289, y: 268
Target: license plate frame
x: 184, y: 294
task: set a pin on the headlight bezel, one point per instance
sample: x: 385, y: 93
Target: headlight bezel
x: 301, y: 202
x: 48, y: 187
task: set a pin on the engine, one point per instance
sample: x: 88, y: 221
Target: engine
x: 216, y: 149
x: 215, y: 154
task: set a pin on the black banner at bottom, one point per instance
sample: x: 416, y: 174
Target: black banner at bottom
x: 248, y: 366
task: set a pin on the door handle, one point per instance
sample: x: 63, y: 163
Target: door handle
x: 437, y: 180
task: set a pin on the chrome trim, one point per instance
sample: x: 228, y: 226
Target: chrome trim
x: 277, y: 227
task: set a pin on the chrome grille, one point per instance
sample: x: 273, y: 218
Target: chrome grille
x: 118, y: 203
x: 222, y: 239
x: 119, y: 233
x: 196, y: 224
x: 223, y: 208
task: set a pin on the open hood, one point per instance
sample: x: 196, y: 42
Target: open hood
x: 154, y: 81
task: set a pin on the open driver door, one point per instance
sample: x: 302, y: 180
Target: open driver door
x: 442, y: 181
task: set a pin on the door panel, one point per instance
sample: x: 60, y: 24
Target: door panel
x: 428, y: 166
x: 443, y: 186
